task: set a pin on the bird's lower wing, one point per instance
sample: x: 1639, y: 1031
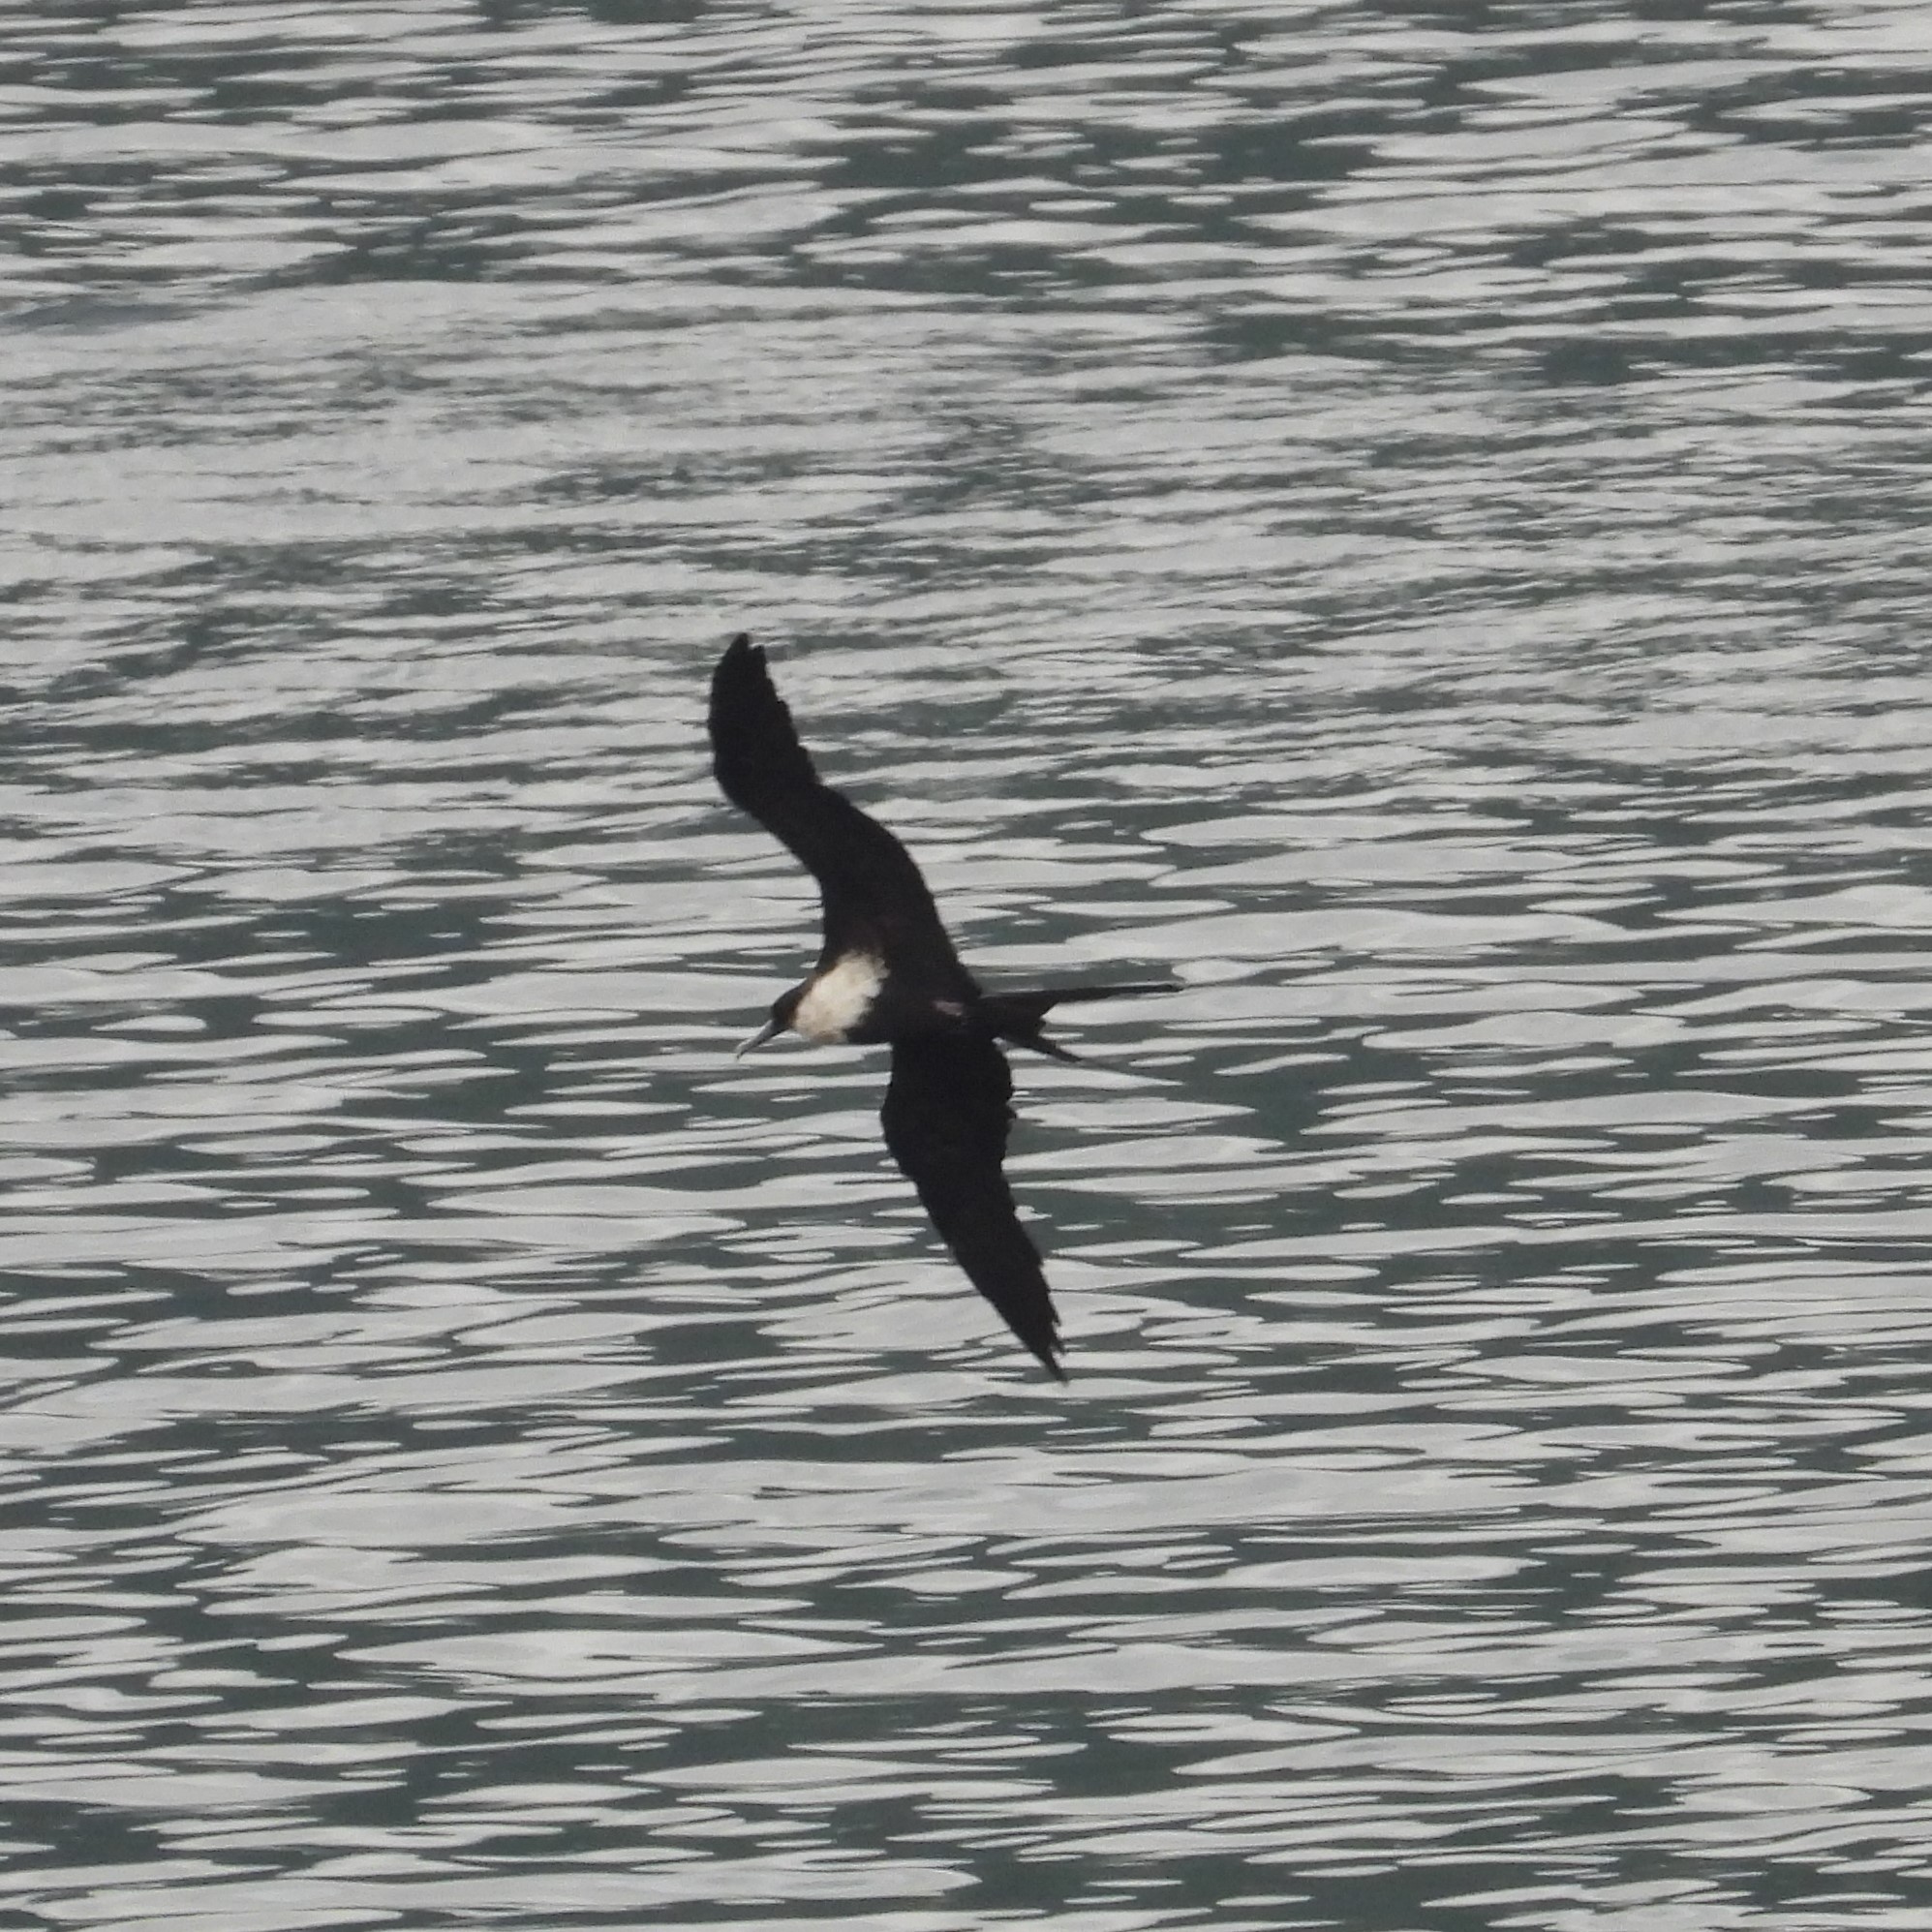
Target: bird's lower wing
x: 946, y: 1116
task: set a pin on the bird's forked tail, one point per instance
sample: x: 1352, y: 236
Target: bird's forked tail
x: 1016, y: 1017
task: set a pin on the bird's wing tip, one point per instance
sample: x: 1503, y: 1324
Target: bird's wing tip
x: 1046, y: 1351
x: 740, y: 677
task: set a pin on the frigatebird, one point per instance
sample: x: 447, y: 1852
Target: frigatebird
x: 887, y: 974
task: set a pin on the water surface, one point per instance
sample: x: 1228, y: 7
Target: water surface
x: 1409, y: 519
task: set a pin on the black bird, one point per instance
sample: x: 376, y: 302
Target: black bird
x: 887, y: 974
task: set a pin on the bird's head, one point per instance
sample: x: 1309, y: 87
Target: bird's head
x: 782, y: 1009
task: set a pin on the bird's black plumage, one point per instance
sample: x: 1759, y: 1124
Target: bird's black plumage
x: 887, y: 972
x: 946, y: 1115
x: 872, y: 894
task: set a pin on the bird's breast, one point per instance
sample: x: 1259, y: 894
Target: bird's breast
x: 836, y: 1001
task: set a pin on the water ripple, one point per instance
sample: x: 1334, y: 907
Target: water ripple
x: 1409, y: 523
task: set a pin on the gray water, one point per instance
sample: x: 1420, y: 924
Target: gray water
x: 1412, y: 519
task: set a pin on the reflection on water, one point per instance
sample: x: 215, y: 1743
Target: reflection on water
x: 1403, y: 517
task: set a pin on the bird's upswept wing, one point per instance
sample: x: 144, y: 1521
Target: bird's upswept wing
x: 874, y: 898
x: 946, y: 1116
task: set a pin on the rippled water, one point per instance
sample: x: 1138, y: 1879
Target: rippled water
x: 1411, y: 518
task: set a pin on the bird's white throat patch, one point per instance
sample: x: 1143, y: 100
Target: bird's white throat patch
x: 839, y: 998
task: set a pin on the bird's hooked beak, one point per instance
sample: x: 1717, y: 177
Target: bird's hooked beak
x: 769, y: 1030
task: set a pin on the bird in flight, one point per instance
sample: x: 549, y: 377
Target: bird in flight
x: 887, y: 974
